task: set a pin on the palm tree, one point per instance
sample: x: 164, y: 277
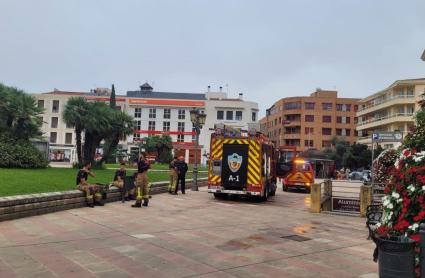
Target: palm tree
x: 121, y: 125
x: 74, y: 114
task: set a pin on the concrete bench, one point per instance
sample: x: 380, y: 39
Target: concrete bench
x: 13, y: 207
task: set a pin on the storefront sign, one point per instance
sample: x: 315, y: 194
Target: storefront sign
x: 345, y: 204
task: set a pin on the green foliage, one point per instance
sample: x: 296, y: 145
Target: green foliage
x: 16, y: 153
x: 113, y: 100
x: 162, y: 145
x: 19, y: 114
x: 416, y: 137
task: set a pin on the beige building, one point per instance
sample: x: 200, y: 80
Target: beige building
x: 391, y: 109
x: 311, y: 121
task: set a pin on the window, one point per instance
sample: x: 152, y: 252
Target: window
x: 339, y: 132
x: 292, y: 105
x: 356, y: 120
x: 292, y: 130
x: 309, y: 105
x: 308, y: 143
x: 180, y: 126
x: 275, y: 122
x: 136, y: 136
x: 180, y: 138
x: 326, y: 144
x: 238, y: 116
x: 348, y: 132
x: 347, y: 120
x: 137, y: 112
x: 356, y: 107
x: 55, y: 106
x: 182, y: 114
x: 309, y: 118
x: 327, y: 106
x: 347, y: 107
x: 327, y: 119
x: 220, y: 115
x: 40, y: 103
x: 68, y: 138
x: 338, y: 119
x: 53, y: 137
x: 166, y: 126
x: 151, y: 125
x: 54, y: 122
x: 167, y: 113
x: 309, y: 130
x: 152, y: 113
x: 138, y: 125
x: 326, y: 131
x: 229, y: 115
x: 254, y: 116
x: 194, y: 133
x: 339, y: 107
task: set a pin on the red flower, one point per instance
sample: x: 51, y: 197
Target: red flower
x: 420, y: 216
x: 421, y: 199
x: 406, y: 153
x: 387, y: 190
x: 415, y: 237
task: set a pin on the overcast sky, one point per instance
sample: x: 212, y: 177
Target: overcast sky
x: 265, y: 49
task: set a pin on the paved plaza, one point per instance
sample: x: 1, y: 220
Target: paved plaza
x: 190, y: 235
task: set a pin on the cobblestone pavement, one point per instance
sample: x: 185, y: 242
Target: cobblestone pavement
x: 190, y: 235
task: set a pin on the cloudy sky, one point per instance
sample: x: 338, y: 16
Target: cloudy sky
x: 265, y: 49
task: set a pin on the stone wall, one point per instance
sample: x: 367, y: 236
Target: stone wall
x: 13, y: 207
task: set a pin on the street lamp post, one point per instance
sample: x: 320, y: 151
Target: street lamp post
x: 198, y: 120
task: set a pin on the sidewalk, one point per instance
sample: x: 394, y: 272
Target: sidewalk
x: 190, y: 235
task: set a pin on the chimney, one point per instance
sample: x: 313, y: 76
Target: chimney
x: 221, y: 89
x: 241, y: 96
x: 209, y: 88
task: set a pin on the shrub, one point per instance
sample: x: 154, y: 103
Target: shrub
x: 20, y: 154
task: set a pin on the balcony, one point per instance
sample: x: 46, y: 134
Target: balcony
x: 399, y: 117
x: 400, y: 99
x: 291, y: 136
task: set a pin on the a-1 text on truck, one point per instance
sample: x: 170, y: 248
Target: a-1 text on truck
x: 241, y: 163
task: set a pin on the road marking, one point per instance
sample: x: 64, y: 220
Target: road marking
x: 143, y: 236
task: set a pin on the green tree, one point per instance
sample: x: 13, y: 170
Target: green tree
x: 113, y: 100
x: 74, y: 114
x: 121, y: 125
x: 162, y: 145
x: 416, y: 136
x: 19, y: 114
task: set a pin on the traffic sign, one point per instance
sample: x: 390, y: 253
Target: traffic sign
x: 388, y: 136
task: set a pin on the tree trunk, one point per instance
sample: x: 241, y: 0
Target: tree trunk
x: 78, y: 143
x: 110, y: 146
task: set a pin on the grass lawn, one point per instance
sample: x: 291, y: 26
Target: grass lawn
x: 27, y: 181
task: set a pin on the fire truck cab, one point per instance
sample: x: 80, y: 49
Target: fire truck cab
x: 241, y: 163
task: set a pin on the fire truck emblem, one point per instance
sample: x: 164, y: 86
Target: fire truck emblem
x: 235, y: 162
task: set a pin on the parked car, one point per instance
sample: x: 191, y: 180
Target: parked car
x: 355, y: 176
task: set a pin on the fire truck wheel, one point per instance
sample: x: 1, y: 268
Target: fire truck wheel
x: 265, y: 194
x: 273, y: 192
x: 220, y: 195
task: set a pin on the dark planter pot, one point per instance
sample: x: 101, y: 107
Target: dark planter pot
x: 396, y: 257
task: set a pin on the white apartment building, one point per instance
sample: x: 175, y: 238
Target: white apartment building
x: 391, y: 109
x: 154, y: 113
x: 234, y: 112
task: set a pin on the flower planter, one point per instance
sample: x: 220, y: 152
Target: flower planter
x: 396, y: 257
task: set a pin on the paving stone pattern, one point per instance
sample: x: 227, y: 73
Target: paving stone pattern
x: 190, y: 235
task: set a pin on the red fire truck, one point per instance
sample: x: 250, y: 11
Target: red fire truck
x: 241, y: 163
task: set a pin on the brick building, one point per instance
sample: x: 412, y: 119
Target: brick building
x: 311, y: 121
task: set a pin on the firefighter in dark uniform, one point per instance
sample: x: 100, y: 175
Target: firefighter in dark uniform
x: 182, y: 168
x: 93, y: 192
x: 142, y: 182
x: 119, y: 181
x: 173, y: 175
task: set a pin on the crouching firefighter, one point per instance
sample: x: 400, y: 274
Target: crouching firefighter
x: 93, y: 192
x: 142, y: 182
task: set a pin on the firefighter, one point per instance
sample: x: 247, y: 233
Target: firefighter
x: 93, y: 192
x: 181, y: 166
x: 119, y: 182
x: 173, y: 176
x: 142, y: 182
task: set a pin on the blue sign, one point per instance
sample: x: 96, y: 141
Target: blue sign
x: 375, y: 136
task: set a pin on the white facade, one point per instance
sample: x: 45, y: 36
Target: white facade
x: 234, y: 112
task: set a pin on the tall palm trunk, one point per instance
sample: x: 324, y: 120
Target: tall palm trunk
x: 78, y: 143
x: 109, y: 147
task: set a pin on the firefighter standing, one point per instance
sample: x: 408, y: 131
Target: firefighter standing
x: 93, y: 192
x: 142, y: 182
x: 173, y: 176
x: 182, y: 168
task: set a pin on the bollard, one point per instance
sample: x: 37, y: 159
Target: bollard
x: 315, y: 195
x: 327, y: 204
x: 365, y: 199
x: 422, y: 249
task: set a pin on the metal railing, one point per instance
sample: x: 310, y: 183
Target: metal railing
x: 376, y: 103
x: 385, y: 118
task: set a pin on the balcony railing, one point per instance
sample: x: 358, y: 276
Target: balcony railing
x: 385, y: 118
x: 376, y: 103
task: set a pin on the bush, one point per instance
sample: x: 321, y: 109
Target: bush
x: 20, y: 154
